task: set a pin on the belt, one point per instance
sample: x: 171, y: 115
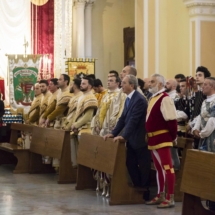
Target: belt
x: 155, y: 133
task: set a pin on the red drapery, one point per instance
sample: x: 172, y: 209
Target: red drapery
x: 42, y: 34
x: 2, y: 89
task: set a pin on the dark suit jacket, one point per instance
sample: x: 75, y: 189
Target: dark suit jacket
x: 132, y: 121
x: 1, y: 108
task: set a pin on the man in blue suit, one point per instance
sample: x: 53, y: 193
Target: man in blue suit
x: 131, y: 129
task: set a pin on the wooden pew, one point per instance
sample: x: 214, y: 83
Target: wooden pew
x: 184, y: 144
x: 198, y: 181
x: 108, y: 157
x: 56, y: 144
x: 11, y: 148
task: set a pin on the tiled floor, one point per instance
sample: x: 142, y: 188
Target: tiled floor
x: 25, y: 194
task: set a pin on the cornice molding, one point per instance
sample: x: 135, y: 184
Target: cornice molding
x: 200, y: 7
x: 80, y: 1
x: 90, y: 1
x: 84, y: 1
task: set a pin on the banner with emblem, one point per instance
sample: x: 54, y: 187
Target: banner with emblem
x: 79, y: 67
x: 23, y: 74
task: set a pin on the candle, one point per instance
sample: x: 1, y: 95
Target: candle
x: 47, y: 71
x: 49, y: 66
x: 40, y: 64
x: 44, y: 64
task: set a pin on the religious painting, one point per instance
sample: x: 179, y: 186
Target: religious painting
x: 129, y: 46
x: 80, y: 68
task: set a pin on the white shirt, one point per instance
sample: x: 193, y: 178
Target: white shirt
x: 210, y: 98
x: 181, y: 115
x: 130, y: 94
x: 173, y: 94
x: 162, y: 90
x: 210, y: 126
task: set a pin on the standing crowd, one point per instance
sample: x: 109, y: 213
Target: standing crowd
x: 147, y: 114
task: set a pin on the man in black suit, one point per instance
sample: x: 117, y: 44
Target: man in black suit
x: 1, y: 108
x: 1, y: 114
x: 131, y: 128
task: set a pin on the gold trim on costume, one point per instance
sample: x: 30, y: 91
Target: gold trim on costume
x: 88, y: 101
x: 151, y: 104
x: 73, y: 102
x: 166, y: 167
x: 172, y: 170
x: 99, y: 96
x: 64, y: 100
x: 104, y: 107
x: 155, y: 133
x: 44, y: 102
x: 36, y: 102
x: 53, y: 97
x: 161, y: 145
x: 63, y: 97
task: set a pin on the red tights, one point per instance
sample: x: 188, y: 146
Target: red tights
x: 164, y: 170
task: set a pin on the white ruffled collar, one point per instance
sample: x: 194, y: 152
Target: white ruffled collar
x: 210, y: 98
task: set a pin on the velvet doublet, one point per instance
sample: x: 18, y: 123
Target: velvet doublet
x: 155, y: 122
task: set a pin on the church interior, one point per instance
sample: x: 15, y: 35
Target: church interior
x: 69, y: 70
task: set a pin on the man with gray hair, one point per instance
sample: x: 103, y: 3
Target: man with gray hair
x: 161, y: 127
x: 204, y: 128
x: 132, y: 122
x: 117, y: 106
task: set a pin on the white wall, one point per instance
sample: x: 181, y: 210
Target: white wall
x: 109, y: 17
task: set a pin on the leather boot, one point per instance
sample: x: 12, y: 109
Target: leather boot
x: 167, y: 203
x: 156, y: 200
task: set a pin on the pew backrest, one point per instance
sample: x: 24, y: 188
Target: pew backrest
x: 15, y: 128
x: 12, y: 149
x: 95, y: 156
x: 198, y: 177
x: 48, y: 141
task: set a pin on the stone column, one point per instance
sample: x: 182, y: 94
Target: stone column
x: 88, y: 29
x: 62, y: 34
x: 80, y: 41
x: 74, y: 27
x: 202, y: 33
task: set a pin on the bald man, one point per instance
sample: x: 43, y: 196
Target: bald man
x: 170, y: 87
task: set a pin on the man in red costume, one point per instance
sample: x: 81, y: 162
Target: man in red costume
x: 161, y: 127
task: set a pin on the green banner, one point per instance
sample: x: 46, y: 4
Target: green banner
x: 24, y: 80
